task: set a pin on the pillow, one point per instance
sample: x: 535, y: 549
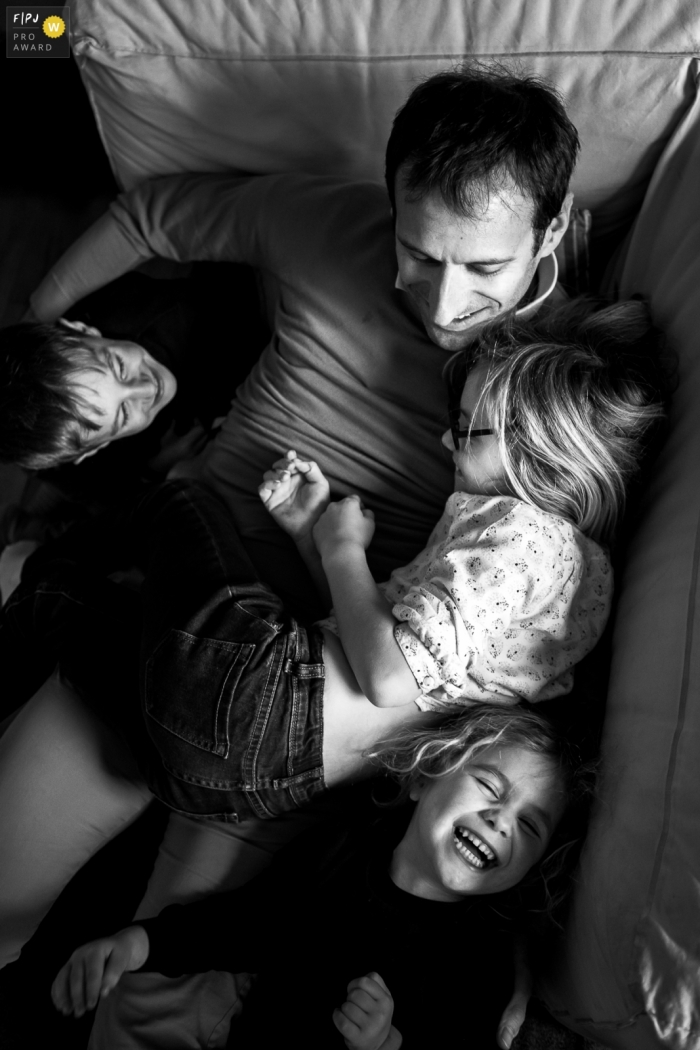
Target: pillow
x: 268, y: 87
x: 628, y: 971
x: 572, y: 253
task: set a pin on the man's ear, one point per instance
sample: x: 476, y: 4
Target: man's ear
x: 90, y: 452
x: 557, y: 227
x: 80, y: 326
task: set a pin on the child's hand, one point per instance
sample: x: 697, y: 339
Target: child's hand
x: 95, y: 968
x: 364, y: 1019
x: 296, y: 493
x: 514, y: 1014
x: 347, y: 521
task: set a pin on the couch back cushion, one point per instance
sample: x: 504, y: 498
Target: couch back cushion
x: 313, y: 86
x: 629, y: 967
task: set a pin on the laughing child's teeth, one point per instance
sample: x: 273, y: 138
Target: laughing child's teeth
x: 480, y: 855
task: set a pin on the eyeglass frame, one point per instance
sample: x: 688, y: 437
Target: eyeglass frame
x: 457, y: 432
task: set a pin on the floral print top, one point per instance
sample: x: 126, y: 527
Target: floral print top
x: 500, y: 605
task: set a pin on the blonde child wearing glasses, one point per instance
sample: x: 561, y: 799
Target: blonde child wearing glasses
x: 548, y: 423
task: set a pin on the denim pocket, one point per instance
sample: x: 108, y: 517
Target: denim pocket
x: 190, y: 685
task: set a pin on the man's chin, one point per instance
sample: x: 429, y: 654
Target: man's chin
x: 452, y: 341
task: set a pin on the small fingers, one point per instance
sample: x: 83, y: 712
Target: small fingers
x: 79, y: 988
x: 60, y: 993
x: 265, y: 490
x: 345, y: 1026
x: 363, y: 1000
x: 354, y: 1013
x: 116, y: 965
x: 512, y: 1020
x: 284, y: 460
x: 93, y: 981
x: 371, y: 983
x: 292, y: 464
x: 278, y: 474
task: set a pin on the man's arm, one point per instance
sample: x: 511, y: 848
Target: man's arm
x: 180, y: 217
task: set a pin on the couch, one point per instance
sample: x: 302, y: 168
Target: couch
x: 272, y: 85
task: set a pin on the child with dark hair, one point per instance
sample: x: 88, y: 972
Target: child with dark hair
x: 400, y: 925
x: 46, y: 375
x: 161, y: 376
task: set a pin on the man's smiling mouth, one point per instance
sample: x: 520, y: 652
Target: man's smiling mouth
x: 474, y: 850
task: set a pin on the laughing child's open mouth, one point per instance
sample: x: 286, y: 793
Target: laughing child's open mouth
x: 474, y: 849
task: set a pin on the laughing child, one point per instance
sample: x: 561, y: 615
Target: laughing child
x: 400, y: 926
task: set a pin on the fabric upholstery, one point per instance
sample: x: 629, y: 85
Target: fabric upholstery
x: 633, y: 943
x: 313, y: 86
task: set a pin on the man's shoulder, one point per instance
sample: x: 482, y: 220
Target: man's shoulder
x: 320, y: 188
x: 330, y: 228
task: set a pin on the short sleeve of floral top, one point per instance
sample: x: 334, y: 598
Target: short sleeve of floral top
x: 500, y: 605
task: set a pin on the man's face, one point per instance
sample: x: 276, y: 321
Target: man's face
x: 124, y: 388
x: 461, y: 273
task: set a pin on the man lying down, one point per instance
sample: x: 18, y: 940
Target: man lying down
x: 367, y: 298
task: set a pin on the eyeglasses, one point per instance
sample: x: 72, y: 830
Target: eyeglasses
x: 458, y: 432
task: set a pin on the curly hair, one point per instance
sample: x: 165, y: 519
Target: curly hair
x: 415, y: 754
x: 575, y: 397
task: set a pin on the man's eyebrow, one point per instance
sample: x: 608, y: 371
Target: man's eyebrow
x: 472, y: 262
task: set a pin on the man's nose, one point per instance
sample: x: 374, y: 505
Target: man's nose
x: 450, y: 291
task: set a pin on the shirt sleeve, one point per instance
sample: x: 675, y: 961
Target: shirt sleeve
x: 184, y: 218
x: 506, y: 618
x: 193, y: 217
x: 247, y: 929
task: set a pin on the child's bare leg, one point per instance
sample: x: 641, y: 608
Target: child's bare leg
x: 67, y: 785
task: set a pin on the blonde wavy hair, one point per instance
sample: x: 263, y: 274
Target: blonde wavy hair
x: 574, y: 397
x: 412, y: 755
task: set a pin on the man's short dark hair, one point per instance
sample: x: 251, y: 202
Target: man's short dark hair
x: 471, y: 131
x: 42, y: 415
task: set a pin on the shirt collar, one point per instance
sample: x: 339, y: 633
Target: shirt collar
x: 547, y: 275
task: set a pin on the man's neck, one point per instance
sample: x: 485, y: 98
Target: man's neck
x: 531, y: 293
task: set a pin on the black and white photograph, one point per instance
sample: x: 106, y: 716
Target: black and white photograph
x: 349, y: 525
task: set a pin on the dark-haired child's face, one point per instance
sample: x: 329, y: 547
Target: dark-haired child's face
x: 479, y: 830
x: 124, y: 391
